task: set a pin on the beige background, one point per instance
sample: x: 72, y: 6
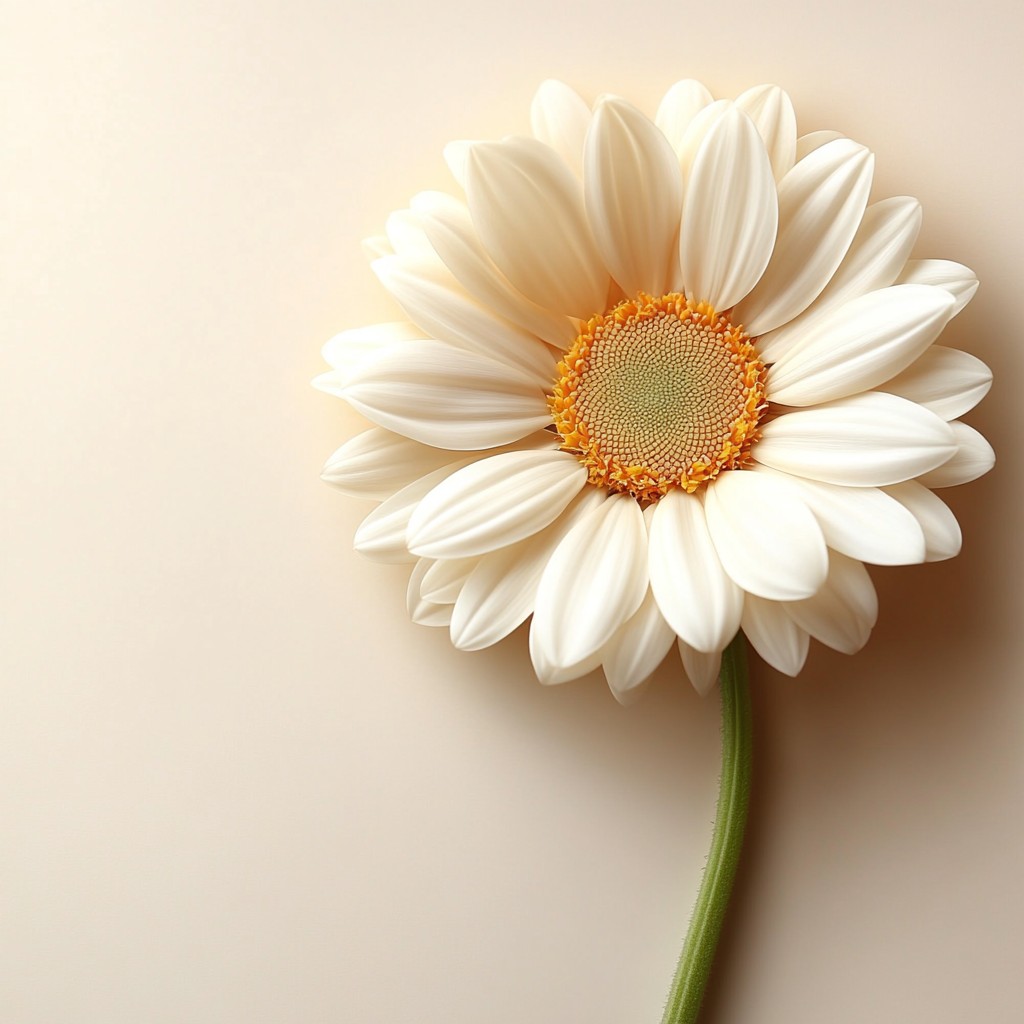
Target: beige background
x: 236, y: 785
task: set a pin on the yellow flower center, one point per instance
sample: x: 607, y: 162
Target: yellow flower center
x: 659, y: 394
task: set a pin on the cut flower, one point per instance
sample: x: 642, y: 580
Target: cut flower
x: 660, y: 381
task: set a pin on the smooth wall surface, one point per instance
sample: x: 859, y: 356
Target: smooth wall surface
x: 236, y: 785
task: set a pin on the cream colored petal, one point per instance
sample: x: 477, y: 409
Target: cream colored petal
x: 376, y: 463
x: 500, y: 593
x: 638, y: 647
x: 446, y: 223
x: 875, y: 258
x: 633, y: 192
x: 703, y: 121
x: 595, y: 581
x: 701, y: 668
x: 376, y: 246
x: 860, y: 344
x: 494, y: 502
x: 406, y: 236
x: 331, y: 383
x: 446, y: 397
x: 731, y: 213
x: 842, y: 614
x: 771, y: 110
x: 958, y: 280
x: 808, y: 143
x: 944, y: 380
x: 941, y: 530
x: 381, y: 535
x: 862, y: 522
x: 678, y: 108
x: 551, y: 673
x: 766, y: 537
x: 974, y: 457
x: 821, y: 203
x: 867, y: 440
x: 421, y: 611
x: 560, y: 118
x: 437, y: 303
x: 774, y: 635
x: 350, y: 347
x: 456, y: 156
x: 527, y: 207
x: 443, y: 581
x: 695, y: 594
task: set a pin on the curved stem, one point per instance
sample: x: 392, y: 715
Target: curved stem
x: 698, y: 953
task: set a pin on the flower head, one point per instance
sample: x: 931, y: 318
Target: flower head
x: 660, y: 381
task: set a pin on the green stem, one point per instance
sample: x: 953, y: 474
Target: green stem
x: 687, y: 992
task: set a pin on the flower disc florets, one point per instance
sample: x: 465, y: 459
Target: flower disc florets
x: 659, y: 394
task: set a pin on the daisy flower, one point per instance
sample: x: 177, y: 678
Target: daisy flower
x: 660, y: 381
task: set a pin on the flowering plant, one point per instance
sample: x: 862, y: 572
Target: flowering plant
x: 664, y: 382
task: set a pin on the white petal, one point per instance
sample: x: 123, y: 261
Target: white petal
x: 879, y: 250
x: 958, y: 280
x: 527, y: 207
x: 435, y: 301
x: 495, y: 502
x: 842, y: 614
x: 426, y: 614
x: 941, y: 530
x: 446, y: 223
x: 945, y: 380
x: 406, y: 236
x: 422, y: 612
x: 679, y: 107
x: 637, y: 649
x: 443, y: 581
x: 774, y: 634
x: 821, y: 203
x: 701, y: 669
x: 808, y: 143
x: 862, y: 522
x: 867, y: 440
x: 456, y: 156
x: 771, y: 110
x: 331, y: 383
x: 974, y: 457
x: 859, y: 345
x: 703, y: 121
x: 376, y: 463
x: 559, y: 117
x: 501, y: 591
x: 875, y: 257
x: 634, y: 194
x: 695, y: 594
x: 376, y: 246
x: 348, y: 348
x: 595, y: 580
x: 731, y: 213
x: 767, y: 538
x: 445, y: 396
x: 381, y: 535
x: 551, y: 673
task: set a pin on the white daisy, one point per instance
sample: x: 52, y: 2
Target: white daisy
x: 660, y: 381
